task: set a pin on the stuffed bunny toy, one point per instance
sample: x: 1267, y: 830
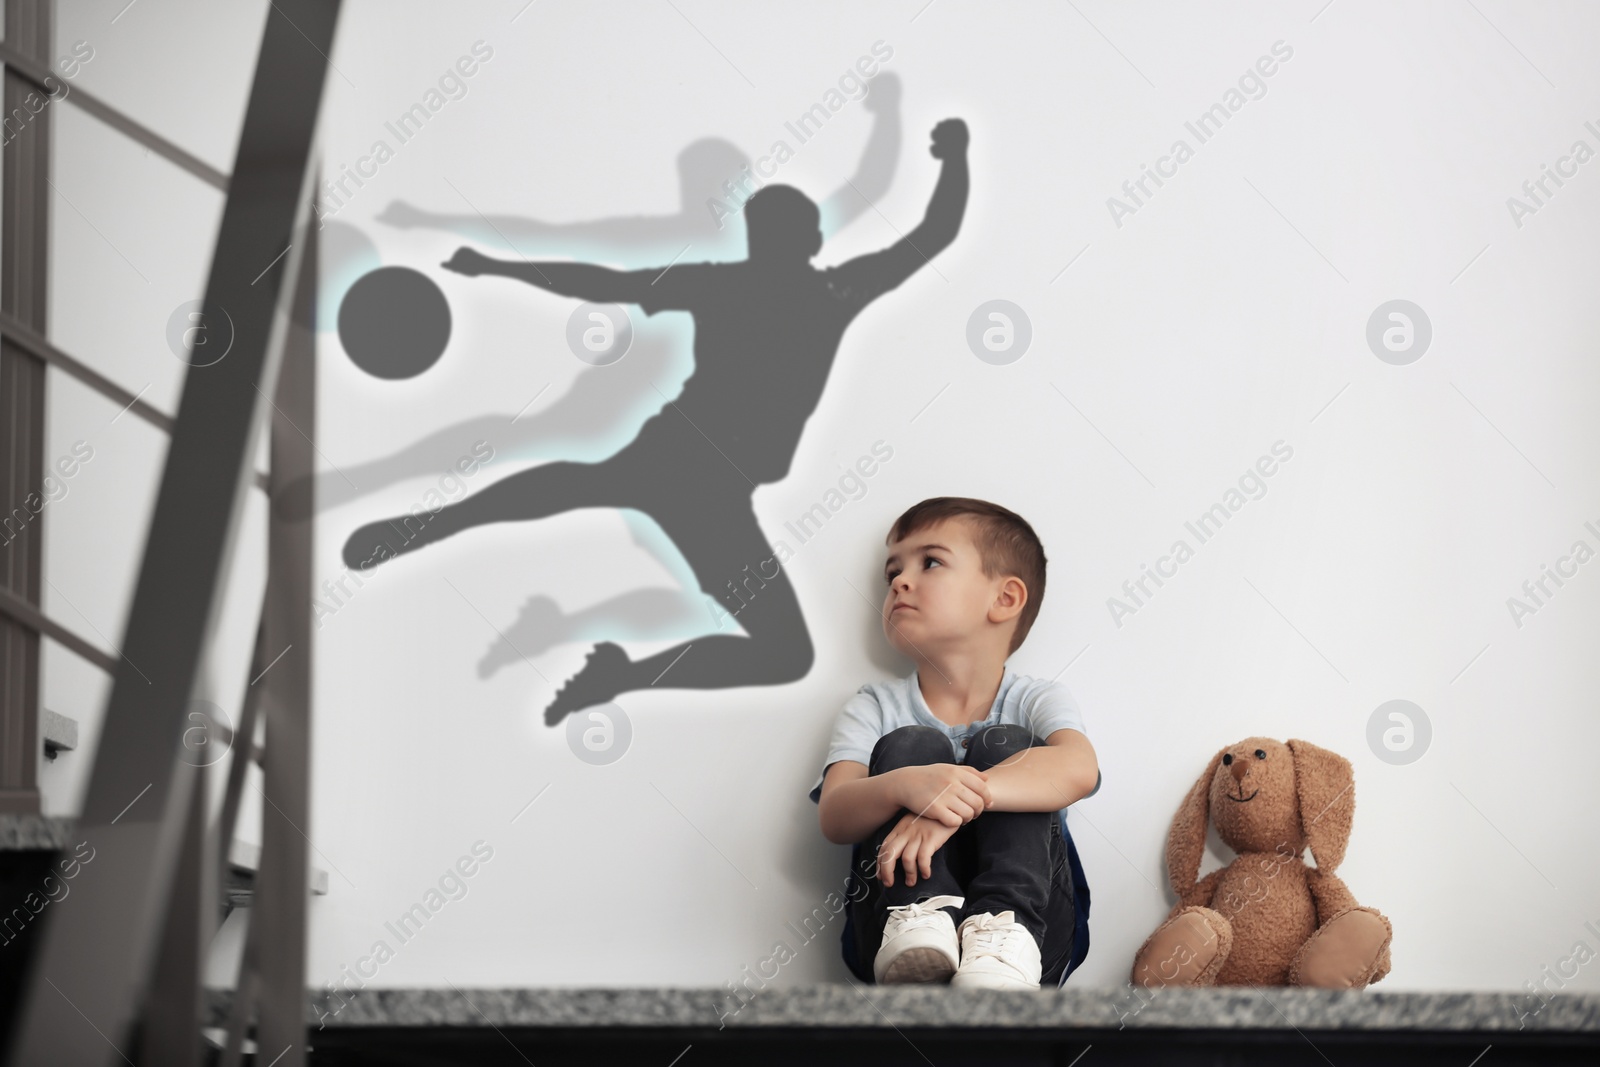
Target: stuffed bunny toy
x: 1266, y: 918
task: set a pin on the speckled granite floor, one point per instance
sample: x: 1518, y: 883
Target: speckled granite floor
x: 19, y: 832
x: 854, y: 1005
x: 851, y: 1004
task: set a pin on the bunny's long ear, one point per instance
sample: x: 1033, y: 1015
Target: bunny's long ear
x: 1187, y: 838
x: 1324, y: 784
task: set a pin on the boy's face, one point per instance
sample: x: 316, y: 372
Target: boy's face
x: 937, y: 575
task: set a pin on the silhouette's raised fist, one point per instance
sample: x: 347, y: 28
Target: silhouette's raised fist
x: 883, y: 92
x: 949, y: 139
x: 466, y: 261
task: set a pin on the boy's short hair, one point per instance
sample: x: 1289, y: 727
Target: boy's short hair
x: 1006, y: 544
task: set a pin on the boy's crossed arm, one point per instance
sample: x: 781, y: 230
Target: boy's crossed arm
x: 940, y: 798
x: 854, y: 803
x: 1045, y: 777
x: 1056, y: 774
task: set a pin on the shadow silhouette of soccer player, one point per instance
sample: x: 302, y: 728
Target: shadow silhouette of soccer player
x: 767, y: 329
x: 606, y: 402
x: 712, y: 180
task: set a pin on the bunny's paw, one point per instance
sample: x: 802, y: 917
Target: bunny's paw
x: 1186, y: 950
x: 1345, y: 953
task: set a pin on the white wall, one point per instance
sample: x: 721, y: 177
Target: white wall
x: 1228, y: 313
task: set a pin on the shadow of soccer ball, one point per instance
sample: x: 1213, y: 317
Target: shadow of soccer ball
x: 394, y: 323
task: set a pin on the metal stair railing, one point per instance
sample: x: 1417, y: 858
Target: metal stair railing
x: 117, y: 975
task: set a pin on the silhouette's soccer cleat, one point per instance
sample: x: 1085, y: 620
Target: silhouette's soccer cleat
x: 536, y: 628
x: 597, y: 683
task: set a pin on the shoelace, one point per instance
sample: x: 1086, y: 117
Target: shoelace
x: 991, y: 935
x: 909, y: 916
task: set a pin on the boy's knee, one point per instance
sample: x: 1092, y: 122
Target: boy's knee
x: 910, y: 745
x: 997, y: 743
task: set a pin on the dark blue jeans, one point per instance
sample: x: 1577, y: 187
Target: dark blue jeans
x: 1001, y: 861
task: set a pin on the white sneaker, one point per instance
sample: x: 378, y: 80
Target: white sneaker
x: 997, y: 953
x: 919, y: 943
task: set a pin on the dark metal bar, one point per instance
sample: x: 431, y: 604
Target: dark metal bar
x: 21, y: 613
x: 244, y: 992
x: 21, y: 480
x: 240, y: 758
x: 281, y: 893
x: 33, y: 342
x: 241, y: 747
x: 37, y: 76
x: 244, y: 996
x: 13, y: 330
x: 24, y: 251
x: 170, y: 1029
x: 83, y: 989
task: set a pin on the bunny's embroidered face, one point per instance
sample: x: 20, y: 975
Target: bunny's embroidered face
x: 1253, y: 800
x: 1265, y: 796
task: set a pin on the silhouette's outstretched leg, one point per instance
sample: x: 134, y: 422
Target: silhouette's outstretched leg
x: 581, y: 425
x: 549, y: 489
x: 435, y: 454
x: 651, y: 614
x: 733, y: 562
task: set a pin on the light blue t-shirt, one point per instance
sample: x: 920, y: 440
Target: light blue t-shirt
x: 879, y: 707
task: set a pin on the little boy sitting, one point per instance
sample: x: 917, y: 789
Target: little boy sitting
x: 959, y: 772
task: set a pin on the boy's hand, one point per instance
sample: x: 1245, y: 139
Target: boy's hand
x: 949, y: 139
x: 466, y: 261
x: 913, y: 842
x: 949, y: 793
